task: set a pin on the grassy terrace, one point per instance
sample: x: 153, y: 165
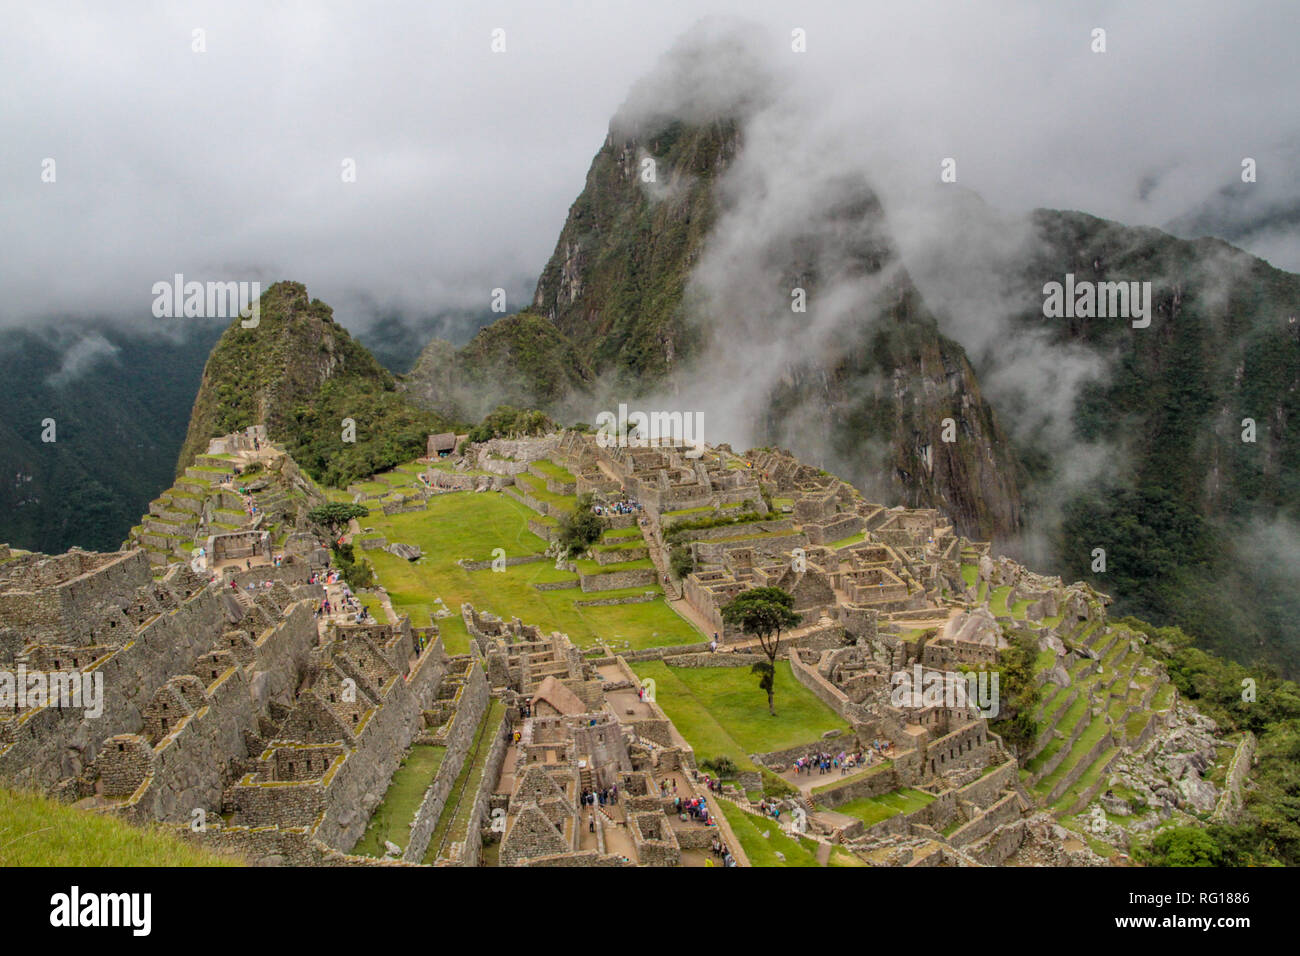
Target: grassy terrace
x: 1096, y: 730
x: 683, y: 512
x: 393, y: 817
x: 871, y: 810
x: 535, y: 487
x: 761, y: 850
x: 470, y: 525
x: 38, y: 831
x: 587, y: 566
x: 454, y: 819
x: 722, y: 712
x: 551, y: 470
x: 620, y: 544
x: 1089, y: 777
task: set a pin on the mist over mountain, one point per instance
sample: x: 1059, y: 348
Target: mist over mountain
x: 119, y: 403
x: 733, y: 175
x: 703, y: 221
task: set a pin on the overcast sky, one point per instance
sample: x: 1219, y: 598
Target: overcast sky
x: 227, y: 163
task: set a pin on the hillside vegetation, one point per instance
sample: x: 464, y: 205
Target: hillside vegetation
x: 302, y: 375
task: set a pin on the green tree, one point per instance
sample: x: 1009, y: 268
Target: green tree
x: 357, y: 573
x: 681, y: 561
x: 765, y: 613
x: 336, y: 515
x: 580, y: 528
x: 1018, y: 693
x: 1183, y: 846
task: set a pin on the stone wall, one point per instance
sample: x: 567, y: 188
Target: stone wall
x: 47, y: 745
x: 191, y: 764
x: 826, y: 692
x: 363, y: 780
x: 615, y: 580
x: 713, y: 660
x: 510, y: 562
x: 1229, y: 806
x: 472, y: 703
x: 645, y: 598
x: 1004, y: 811
x: 55, y: 598
x: 471, y: 852
x: 870, y: 783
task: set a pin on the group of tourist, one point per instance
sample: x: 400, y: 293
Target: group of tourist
x: 825, y: 762
x: 719, y: 849
x: 618, y: 508
x: 665, y: 790
x: 712, y: 783
x: 695, y: 808
x: 250, y: 586
x: 769, y: 808
x: 607, y: 796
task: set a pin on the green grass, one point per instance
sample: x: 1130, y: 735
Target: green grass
x: 393, y: 817
x: 1096, y: 730
x: 454, y: 819
x: 470, y: 525
x: 552, y: 470
x: 535, y: 487
x: 1164, y: 697
x: 749, y: 829
x: 970, y: 573
x: 722, y: 712
x: 620, y: 544
x: 1088, y: 778
x: 38, y: 831
x: 851, y: 539
x: 871, y: 810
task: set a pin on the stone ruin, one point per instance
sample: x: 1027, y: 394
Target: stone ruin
x: 230, y: 708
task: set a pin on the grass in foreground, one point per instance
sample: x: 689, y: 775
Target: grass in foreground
x: 38, y: 831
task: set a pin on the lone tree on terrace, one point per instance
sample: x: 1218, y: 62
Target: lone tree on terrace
x: 580, y: 528
x: 336, y: 515
x: 765, y: 613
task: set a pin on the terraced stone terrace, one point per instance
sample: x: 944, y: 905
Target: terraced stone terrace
x: 205, y: 501
x: 1109, y: 705
x: 872, y: 810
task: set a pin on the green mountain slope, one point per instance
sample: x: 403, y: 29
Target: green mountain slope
x: 303, y: 376
x: 119, y: 416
